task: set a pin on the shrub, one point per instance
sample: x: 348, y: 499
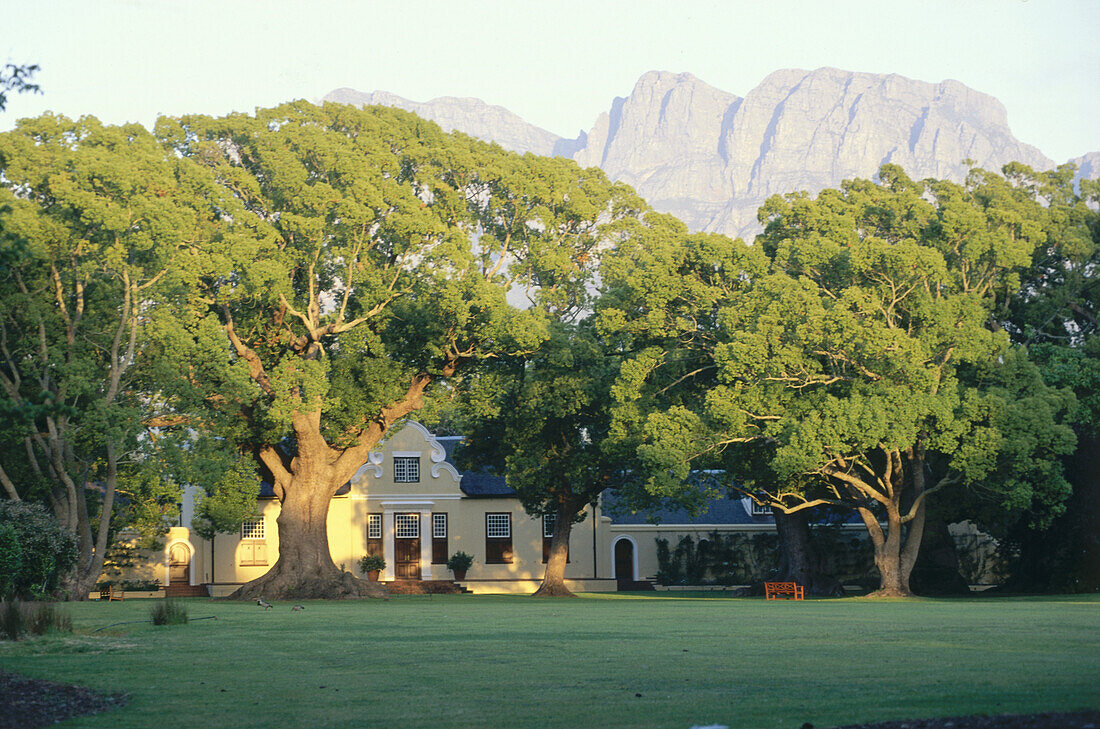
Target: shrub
x: 168, y: 612
x: 37, y: 552
x: 459, y: 561
x: 46, y: 617
x: 11, y: 619
x: 372, y: 562
x: 37, y: 618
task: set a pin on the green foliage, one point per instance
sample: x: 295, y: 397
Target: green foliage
x: 846, y: 358
x: 460, y: 561
x: 168, y: 612
x: 17, y: 79
x: 372, y: 562
x: 38, y: 553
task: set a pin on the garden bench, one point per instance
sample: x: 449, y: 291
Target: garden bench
x: 111, y: 593
x: 783, y: 591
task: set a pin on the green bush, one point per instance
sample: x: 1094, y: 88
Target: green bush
x: 38, y: 618
x: 372, y: 562
x: 460, y: 561
x: 168, y: 612
x: 11, y: 619
x: 46, y: 617
x: 36, y: 551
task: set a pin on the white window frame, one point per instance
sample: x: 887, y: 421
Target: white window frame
x: 549, y: 521
x: 498, y: 526
x: 406, y: 469
x: 253, y: 529
x: 374, y: 526
x: 760, y: 509
x: 439, y: 526
x: 406, y: 526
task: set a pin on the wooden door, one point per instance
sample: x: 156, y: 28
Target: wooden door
x: 179, y: 565
x: 406, y: 560
x: 624, y: 561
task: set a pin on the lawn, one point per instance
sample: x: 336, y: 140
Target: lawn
x: 596, y: 661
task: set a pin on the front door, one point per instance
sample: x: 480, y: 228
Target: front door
x: 179, y: 564
x: 406, y: 560
x: 624, y: 563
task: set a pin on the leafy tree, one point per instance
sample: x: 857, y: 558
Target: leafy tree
x: 97, y: 218
x: 377, y: 260
x: 1054, y: 313
x: 17, y: 79
x: 852, y: 357
x: 35, y: 553
x: 544, y: 425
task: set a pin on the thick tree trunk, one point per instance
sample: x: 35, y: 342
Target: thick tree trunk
x: 305, y: 568
x: 553, y: 580
x: 801, y: 563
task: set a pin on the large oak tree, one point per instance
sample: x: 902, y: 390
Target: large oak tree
x: 853, y: 359
x: 378, y: 255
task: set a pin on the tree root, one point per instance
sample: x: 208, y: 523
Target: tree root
x: 277, y: 585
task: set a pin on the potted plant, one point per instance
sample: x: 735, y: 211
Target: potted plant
x: 372, y: 565
x: 459, y: 563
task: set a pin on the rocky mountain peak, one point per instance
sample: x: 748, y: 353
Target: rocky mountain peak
x: 711, y: 157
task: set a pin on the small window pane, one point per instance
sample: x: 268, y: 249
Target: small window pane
x: 548, y: 523
x: 498, y: 526
x: 374, y: 526
x: 761, y: 509
x: 406, y: 469
x: 407, y: 526
x: 252, y: 529
x: 439, y: 526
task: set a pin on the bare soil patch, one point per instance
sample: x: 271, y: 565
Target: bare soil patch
x: 26, y: 703
x: 1050, y: 720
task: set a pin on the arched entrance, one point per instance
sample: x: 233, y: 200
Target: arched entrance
x: 179, y: 564
x: 625, y: 562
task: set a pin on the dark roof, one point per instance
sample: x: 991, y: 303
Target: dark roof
x: 719, y: 511
x: 475, y: 483
x: 267, y: 491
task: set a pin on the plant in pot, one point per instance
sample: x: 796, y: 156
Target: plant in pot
x: 372, y: 565
x: 459, y: 563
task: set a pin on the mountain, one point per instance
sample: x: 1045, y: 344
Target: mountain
x: 711, y: 157
x: 470, y: 116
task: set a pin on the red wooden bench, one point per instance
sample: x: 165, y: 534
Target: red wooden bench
x: 783, y: 591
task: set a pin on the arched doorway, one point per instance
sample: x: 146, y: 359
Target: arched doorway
x: 625, y: 562
x: 179, y: 564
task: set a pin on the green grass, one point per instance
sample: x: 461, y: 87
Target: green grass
x: 487, y: 661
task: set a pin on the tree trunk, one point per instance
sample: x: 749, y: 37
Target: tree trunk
x: 553, y: 580
x: 305, y: 568
x: 801, y: 562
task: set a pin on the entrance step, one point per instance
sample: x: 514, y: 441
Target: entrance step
x: 424, y: 587
x: 186, y: 591
x: 635, y: 586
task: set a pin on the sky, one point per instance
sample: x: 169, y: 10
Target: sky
x: 556, y: 64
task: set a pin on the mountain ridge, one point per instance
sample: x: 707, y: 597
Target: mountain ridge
x: 711, y: 157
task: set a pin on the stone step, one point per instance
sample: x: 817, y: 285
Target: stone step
x: 424, y: 587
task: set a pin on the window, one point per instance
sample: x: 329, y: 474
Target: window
x: 498, y: 538
x: 439, y: 539
x: 761, y: 509
x: 549, y: 521
x: 374, y: 526
x: 407, y: 526
x: 252, y: 529
x: 406, y: 469
x: 374, y: 535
